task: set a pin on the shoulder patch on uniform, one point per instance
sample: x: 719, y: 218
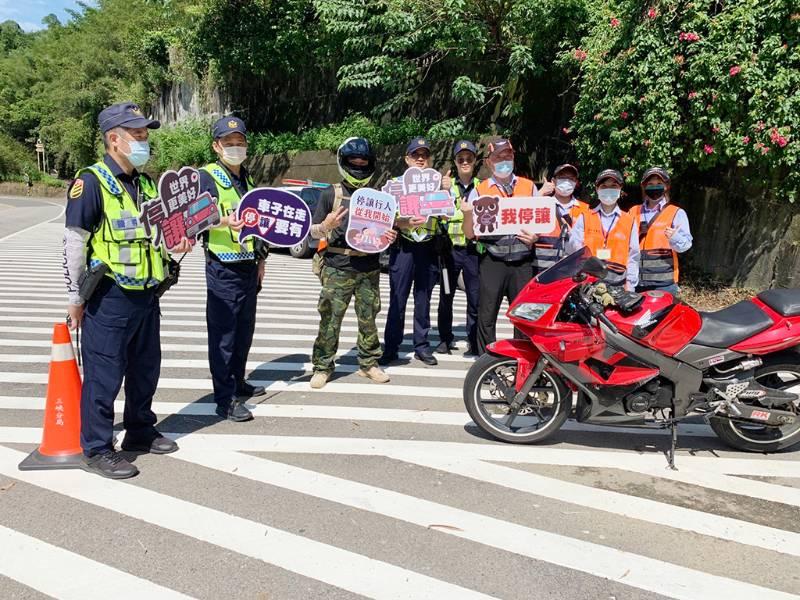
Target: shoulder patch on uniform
x: 76, y: 190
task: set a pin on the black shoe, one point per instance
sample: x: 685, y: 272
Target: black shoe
x: 471, y: 351
x: 445, y: 348
x: 109, y: 464
x: 236, y: 412
x: 387, y: 359
x: 428, y: 359
x: 245, y: 390
x: 156, y: 444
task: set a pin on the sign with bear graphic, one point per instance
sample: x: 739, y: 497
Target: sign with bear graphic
x: 497, y: 216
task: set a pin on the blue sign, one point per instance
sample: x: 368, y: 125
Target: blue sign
x: 275, y: 216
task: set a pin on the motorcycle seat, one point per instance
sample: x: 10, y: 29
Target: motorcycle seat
x: 731, y: 325
x: 784, y: 302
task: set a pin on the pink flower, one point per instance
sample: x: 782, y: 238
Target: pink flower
x: 693, y: 95
x: 565, y: 130
x: 764, y: 149
x: 624, y: 115
x: 579, y: 54
x: 597, y: 117
x: 688, y: 36
x: 715, y: 129
x: 760, y: 126
x: 708, y: 149
x: 746, y: 140
x: 776, y: 137
x: 735, y: 70
x: 615, y: 22
x: 651, y: 13
x: 647, y: 143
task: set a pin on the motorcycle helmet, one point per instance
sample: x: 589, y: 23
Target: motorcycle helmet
x: 355, y: 147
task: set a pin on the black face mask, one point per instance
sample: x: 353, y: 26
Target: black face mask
x: 654, y: 192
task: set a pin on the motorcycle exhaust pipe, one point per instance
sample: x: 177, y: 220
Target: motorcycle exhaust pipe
x: 764, y: 416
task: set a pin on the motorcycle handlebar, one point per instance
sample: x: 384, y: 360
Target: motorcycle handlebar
x: 595, y: 309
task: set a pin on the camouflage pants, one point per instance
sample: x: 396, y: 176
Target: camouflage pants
x: 338, y: 287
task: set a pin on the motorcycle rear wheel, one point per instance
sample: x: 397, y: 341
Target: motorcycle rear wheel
x: 753, y: 437
x: 547, y: 407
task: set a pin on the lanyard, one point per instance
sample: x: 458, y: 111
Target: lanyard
x: 467, y: 190
x: 607, y: 233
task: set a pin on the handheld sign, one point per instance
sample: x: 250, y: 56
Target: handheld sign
x: 495, y: 215
x: 371, y: 217
x: 418, y: 194
x: 180, y: 211
x: 276, y: 216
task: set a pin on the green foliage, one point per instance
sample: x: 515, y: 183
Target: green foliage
x: 187, y: 143
x: 700, y: 86
x: 15, y: 159
x: 329, y: 137
x: 56, y: 81
x: 11, y: 37
x: 695, y: 86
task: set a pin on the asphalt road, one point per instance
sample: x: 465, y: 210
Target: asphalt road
x: 360, y: 490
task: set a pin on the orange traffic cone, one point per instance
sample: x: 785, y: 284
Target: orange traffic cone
x: 60, y: 448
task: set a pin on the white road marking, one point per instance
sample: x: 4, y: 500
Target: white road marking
x: 329, y: 564
x: 601, y: 561
x: 69, y: 576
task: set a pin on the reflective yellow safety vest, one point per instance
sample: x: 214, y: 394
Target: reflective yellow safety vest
x: 223, y: 241
x: 455, y: 225
x: 121, y: 242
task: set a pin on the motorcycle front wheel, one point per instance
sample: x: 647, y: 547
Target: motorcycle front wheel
x: 754, y: 437
x: 490, y: 387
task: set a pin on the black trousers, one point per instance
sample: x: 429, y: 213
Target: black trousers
x: 498, y: 280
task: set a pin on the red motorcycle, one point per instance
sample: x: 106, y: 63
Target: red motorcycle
x: 641, y: 360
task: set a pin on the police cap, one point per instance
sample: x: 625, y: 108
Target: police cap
x: 124, y: 114
x: 416, y: 144
x: 461, y: 145
x: 226, y: 126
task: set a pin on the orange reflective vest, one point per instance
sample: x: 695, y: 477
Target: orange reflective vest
x: 612, y: 247
x: 659, y: 262
x: 550, y: 246
x: 507, y: 247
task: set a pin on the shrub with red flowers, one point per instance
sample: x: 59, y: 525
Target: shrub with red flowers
x: 701, y: 86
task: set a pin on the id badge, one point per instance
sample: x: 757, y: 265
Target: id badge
x: 604, y: 254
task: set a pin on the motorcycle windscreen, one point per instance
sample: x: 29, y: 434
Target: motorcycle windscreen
x: 566, y: 268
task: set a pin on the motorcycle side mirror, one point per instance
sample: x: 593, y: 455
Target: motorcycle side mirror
x: 595, y: 267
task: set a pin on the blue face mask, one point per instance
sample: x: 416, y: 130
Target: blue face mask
x: 139, y: 154
x: 503, y: 168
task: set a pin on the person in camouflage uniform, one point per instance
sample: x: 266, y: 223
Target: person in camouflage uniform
x: 346, y: 272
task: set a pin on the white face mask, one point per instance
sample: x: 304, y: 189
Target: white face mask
x: 565, y: 187
x: 139, y: 153
x: 609, y: 196
x: 234, y: 155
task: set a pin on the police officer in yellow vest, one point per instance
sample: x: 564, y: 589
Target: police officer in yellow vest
x: 104, y: 237
x: 233, y: 273
x: 463, y: 259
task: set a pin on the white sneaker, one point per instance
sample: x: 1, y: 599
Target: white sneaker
x: 319, y: 379
x: 376, y: 374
